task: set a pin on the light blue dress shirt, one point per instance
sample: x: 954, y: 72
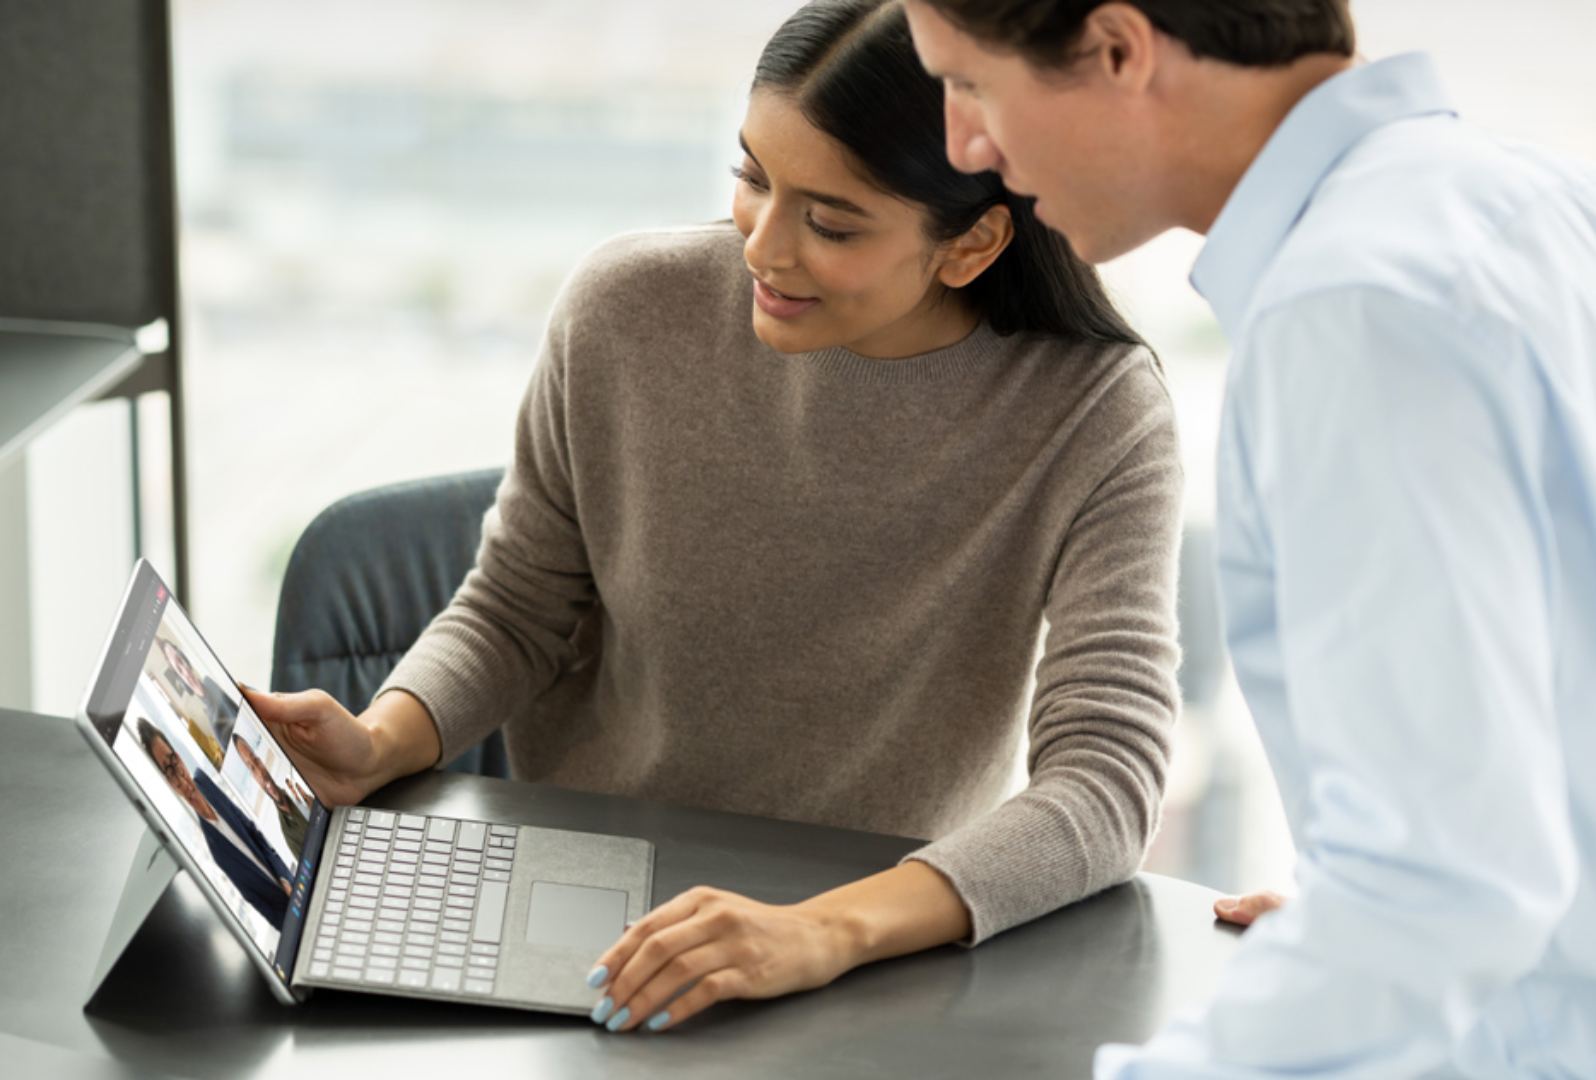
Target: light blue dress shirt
x: 1407, y: 545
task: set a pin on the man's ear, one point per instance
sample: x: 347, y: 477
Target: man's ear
x: 1118, y: 40
x: 968, y: 257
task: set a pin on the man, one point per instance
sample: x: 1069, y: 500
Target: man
x: 236, y: 845
x: 289, y: 814
x: 1407, y: 518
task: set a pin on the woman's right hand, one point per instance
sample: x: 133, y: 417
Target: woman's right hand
x: 342, y: 756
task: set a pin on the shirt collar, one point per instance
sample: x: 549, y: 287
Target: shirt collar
x: 1282, y: 180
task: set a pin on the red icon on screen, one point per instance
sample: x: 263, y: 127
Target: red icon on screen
x: 160, y: 593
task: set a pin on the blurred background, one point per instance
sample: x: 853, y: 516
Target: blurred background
x: 379, y: 201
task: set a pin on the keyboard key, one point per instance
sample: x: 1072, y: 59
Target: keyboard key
x: 367, y: 902
x: 462, y: 905
x: 461, y: 925
x: 344, y: 862
x: 498, y: 864
x: 461, y: 888
x: 467, y: 858
x: 380, y: 819
x: 454, y: 938
x: 495, y: 875
x: 414, y: 980
x: 320, y: 971
x: 449, y: 961
x: 381, y: 938
x: 429, y: 894
x: 472, y: 834
x: 478, y: 986
x: 423, y: 904
x: 352, y: 937
x: 441, y: 829
x: 448, y: 948
x: 385, y: 950
x: 368, y: 878
x: 431, y: 881
x: 423, y: 916
x: 482, y: 948
x: 352, y: 974
x: 502, y: 842
x: 441, y: 847
x: 357, y: 813
x: 503, y: 830
x: 391, y: 926
x: 435, y: 858
x: 381, y: 976
x: 445, y: 979
x: 412, y: 821
x: 410, y: 847
x: 490, y: 912
x: 381, y: 961
x: 417, y: 952
x: 416, y: 963
x: 322, y: 956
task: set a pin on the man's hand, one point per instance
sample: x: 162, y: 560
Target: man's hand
x: 1242, y: 910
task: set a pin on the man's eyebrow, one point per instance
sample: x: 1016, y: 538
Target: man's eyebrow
x: 836, y: 202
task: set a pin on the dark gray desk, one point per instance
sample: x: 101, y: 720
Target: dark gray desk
x: 184, y: 1001
x: 46, y: 369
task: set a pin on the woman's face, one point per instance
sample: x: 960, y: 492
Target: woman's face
x: 835, y: 260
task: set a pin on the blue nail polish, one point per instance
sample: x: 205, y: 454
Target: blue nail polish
x: 596, y: 977
x: 618, y: 1019
x: 601, y: 1011
x: 658, y: 1020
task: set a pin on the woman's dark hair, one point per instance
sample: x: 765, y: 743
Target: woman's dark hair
x: 851, y: 67
x: 1251, y: 33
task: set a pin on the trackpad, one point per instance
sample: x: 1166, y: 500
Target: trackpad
x: 575, y: 916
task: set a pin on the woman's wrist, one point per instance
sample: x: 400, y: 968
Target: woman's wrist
x: 903, y: 910
x: 404, y: 739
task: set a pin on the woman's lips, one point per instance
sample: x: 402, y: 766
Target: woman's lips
x: 775, y: 304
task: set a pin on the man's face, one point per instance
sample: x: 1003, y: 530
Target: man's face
x: 176, y: 773
x: 1068, y: 138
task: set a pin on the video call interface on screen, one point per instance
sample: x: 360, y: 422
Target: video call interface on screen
x: 223, y: 786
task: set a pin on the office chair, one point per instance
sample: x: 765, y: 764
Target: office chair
x: 366, y: 578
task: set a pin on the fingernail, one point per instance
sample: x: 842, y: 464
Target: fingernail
x: 601, y: 1011
x: 658, y: 1020
x: 247, y: 688
x: 596, y: 977
x: 1227, y: 904
x: 618, y: 1019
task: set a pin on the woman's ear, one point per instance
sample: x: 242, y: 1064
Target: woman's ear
x: 967, y: 258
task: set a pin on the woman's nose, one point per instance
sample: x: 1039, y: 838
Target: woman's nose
x: 770, y: 245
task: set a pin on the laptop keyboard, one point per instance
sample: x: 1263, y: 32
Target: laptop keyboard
x: 415, y: 902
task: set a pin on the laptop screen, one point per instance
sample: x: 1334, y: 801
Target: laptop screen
x: 224, y: 788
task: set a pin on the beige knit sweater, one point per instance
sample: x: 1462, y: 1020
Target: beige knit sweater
x: 812, y: 586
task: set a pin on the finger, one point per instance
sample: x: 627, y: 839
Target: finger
x: 673, y: 981
x: 722, y: 985
x: 660, y: 960
x: 670, y: 913
x: 1244, y: 910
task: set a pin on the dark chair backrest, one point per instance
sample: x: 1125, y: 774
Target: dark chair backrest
x: 365, y: 579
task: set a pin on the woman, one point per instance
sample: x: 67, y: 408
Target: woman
x: 798, y: 566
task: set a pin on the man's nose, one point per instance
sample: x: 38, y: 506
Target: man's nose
x: 970, y: 148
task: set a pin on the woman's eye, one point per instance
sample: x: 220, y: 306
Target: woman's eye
x: 748, y: 178
x: 825, y: 233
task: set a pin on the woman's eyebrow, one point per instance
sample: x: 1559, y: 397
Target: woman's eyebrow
x: 836, y: 202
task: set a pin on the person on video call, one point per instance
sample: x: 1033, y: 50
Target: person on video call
x: 220, y: 709
x: 237, y: 846
x: 1407, y: 503
x: 793, y: 498
x: 289, y: 814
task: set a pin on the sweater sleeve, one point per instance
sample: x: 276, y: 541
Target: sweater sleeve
x: 506, y: 636
x: 1106, y: 694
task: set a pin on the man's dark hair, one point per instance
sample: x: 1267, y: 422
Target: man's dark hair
x: 148, y: 733
x: 1251, y: 33
x: 851, y: 68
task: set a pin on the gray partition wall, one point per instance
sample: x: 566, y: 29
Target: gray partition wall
x: 88, y: 229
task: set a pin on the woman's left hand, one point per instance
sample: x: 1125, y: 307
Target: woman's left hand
x: 708, y: 945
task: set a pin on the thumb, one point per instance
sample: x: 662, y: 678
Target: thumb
x: 305, y: 706
x: 1243, y: 910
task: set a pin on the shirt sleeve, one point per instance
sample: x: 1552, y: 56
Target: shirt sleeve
x: 506, y: 636
x: 1106, y: 692
x: 1392, y: 456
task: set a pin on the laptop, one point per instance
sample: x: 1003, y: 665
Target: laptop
x: 349, y: 898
